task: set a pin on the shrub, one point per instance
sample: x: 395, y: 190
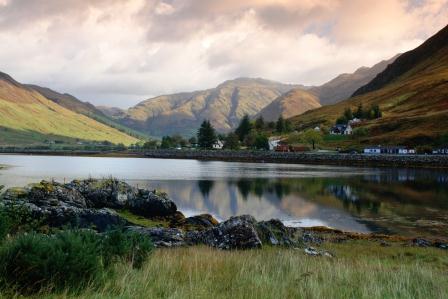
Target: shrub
x: 129, y: 246
x: 69, y: 260
x: 32, y: 262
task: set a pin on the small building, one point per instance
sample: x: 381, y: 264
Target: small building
x: 372, y: 150
x: 441, y: 151
x: 317, y: 129
x: 391, y: 150
x: 273, y: 143
x: 282, y: 147
x: 218, y: 144
x: 341, y: 130
x: 354, y: 121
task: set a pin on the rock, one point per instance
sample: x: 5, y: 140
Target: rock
x: 420, y: 242
x: 311, y: 251
x: 162, y: 237
x: 198, y: 222
x: 149, y: 204
x: 107, y: 193
x: 441, y: 245
x: 308, y: 237
x: 54, y: 193
x: 236, y: 233
x: 274, y: 232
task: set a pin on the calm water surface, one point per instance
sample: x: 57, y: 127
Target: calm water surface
x: 395, y: 201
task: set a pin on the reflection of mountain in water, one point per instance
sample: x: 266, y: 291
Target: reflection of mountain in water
x: 384, y: 203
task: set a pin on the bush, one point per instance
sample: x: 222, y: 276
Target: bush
x: 129, y: 246
x: 69, y: 260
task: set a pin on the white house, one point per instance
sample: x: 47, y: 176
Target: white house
x: 273, y: 143
x: 317, y: 129
x: 372, y: 150
x: 341, y: 130
x: 218, y: 144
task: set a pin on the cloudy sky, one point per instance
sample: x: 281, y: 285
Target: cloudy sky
x: 119, y: 52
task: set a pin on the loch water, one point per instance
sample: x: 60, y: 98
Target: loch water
x: 408, y: 202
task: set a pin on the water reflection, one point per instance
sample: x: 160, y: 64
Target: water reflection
x: 400, y: 201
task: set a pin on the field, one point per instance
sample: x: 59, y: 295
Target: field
x: 360, y: 269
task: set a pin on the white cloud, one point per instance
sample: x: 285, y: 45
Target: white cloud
x: 117, y: 53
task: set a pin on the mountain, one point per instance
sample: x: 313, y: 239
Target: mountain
x: 344, y: 85
x: 112, y: 112
x: 407, y: 62
x: 289, y: 104
x: 27, y: 116
x: 412, y: 92
x: 224, y: 106
x: 72, y: 103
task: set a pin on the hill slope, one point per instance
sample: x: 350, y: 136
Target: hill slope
x: 407, y: 62
x: 292, y: 103
x: 414, y: 102
x: 343, y: 86
x: 224, y: 106
x: 26, y: 112
x: 72, y: 103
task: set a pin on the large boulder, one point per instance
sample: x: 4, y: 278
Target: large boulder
x: 236, y: 233
x: 198, y: 222
x: 150, y: 204
x: 106, y: 193
x: 274, y: 232
x: 54, y: 193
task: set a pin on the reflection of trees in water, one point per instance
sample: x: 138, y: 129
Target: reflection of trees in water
x: 205, y: 186
x: 262, y: 186
x: 350, y: 197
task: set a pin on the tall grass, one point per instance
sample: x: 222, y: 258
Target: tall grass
x: 360, y: 270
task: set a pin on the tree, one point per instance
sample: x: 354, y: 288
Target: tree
x: 348, y: 114
x: 259, y: 123
x: 271, y: 125
x: 312, y: 137
x: 280, y: 126
x: 376, y: 111
x: 192, y: 140
x: 206, y: 135
x: 167, y: 142
x: 249, y: 141
x: 150, y: 144
x: 232, y: 142
x: 244, y: 127
x: 261, y: 142
x: 359, y: 112
x: 342, y: 120
x: 294, y: 138
x: 288, y: 125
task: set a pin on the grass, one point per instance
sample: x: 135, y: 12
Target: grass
x: 29, y: 112
x: 142, y: 221
x: 359, y: 270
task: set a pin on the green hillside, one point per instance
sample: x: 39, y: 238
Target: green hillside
x: 25, y: 112
x: 414, y: 101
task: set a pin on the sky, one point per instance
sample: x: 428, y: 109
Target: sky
x: 118, y: 52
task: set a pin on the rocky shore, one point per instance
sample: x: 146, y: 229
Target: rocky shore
x: 103, y: 204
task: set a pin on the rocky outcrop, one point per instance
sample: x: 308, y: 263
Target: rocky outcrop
x: 86, y: 203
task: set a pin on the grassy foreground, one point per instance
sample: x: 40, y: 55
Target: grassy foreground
x: 360, y: 269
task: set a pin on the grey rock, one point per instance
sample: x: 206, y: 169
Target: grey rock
x: 236, y: 233
x: 162, y: 237
x: 149, y: 204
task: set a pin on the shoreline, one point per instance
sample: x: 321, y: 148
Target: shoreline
x: 335, y: 159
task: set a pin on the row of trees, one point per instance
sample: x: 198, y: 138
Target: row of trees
x: 373, y: 112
